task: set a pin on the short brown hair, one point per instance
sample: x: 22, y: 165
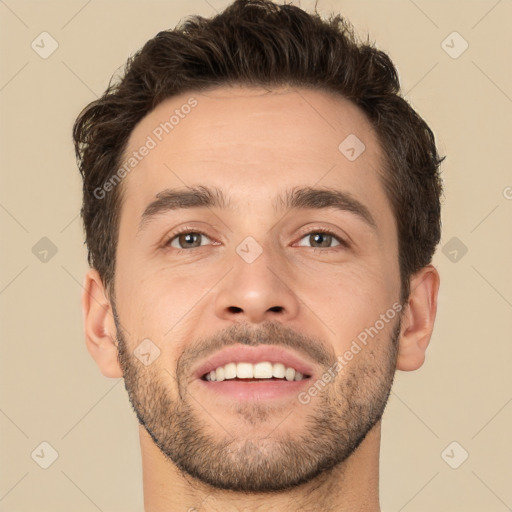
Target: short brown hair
x: 259, y: 43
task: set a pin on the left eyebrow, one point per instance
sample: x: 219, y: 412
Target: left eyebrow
x: 296, y: 198
x: 324, y: 198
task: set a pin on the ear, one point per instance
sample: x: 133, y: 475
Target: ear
x: 418, y: 319
x: 99, y: 325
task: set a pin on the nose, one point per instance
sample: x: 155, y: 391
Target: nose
x: 257, y: 291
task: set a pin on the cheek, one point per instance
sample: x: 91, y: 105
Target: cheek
x: 348, y: 300
x: 164, y: 304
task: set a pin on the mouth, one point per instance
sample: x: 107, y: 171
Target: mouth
x: 249, y: 373
x: 260, y: 372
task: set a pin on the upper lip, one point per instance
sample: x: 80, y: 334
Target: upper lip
x: 246, y: 354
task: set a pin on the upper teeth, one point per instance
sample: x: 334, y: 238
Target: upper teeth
x: 263, y: 370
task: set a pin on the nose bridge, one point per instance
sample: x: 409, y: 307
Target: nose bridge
x: 257, y: 288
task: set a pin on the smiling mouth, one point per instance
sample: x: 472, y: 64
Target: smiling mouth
x: 259, y: 372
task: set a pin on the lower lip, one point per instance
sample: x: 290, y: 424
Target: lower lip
x: 264, y: 390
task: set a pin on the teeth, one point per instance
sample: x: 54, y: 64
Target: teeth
x: 263, y: 370
x: 229, y: 371
x: 244, y: 371
x: 290, y: 374
x: 278, y: 371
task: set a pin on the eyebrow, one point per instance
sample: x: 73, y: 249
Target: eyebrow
x: 297, y: 198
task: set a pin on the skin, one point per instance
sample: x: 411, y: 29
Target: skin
x: 252, y: 144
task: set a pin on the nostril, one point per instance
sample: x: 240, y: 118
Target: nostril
x: 234, y: 309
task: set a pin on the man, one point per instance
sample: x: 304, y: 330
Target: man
x: 261, y: 209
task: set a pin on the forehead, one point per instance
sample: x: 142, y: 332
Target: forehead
x: 252, y: 141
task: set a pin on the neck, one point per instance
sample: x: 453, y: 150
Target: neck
x: 353, y: 486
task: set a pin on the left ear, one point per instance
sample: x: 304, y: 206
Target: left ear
x: 418, y: 319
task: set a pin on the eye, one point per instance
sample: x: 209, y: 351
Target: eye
x: 192, y: 239
x: 322, y: 239
x: 188, y: 239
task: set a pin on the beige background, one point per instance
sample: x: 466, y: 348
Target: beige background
x: 51, y: 390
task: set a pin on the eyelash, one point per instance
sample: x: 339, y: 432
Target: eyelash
x: 342, y: 242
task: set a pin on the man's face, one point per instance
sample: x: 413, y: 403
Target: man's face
x: 288, y: 286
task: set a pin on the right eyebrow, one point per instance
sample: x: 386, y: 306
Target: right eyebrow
x: 174, y: 199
